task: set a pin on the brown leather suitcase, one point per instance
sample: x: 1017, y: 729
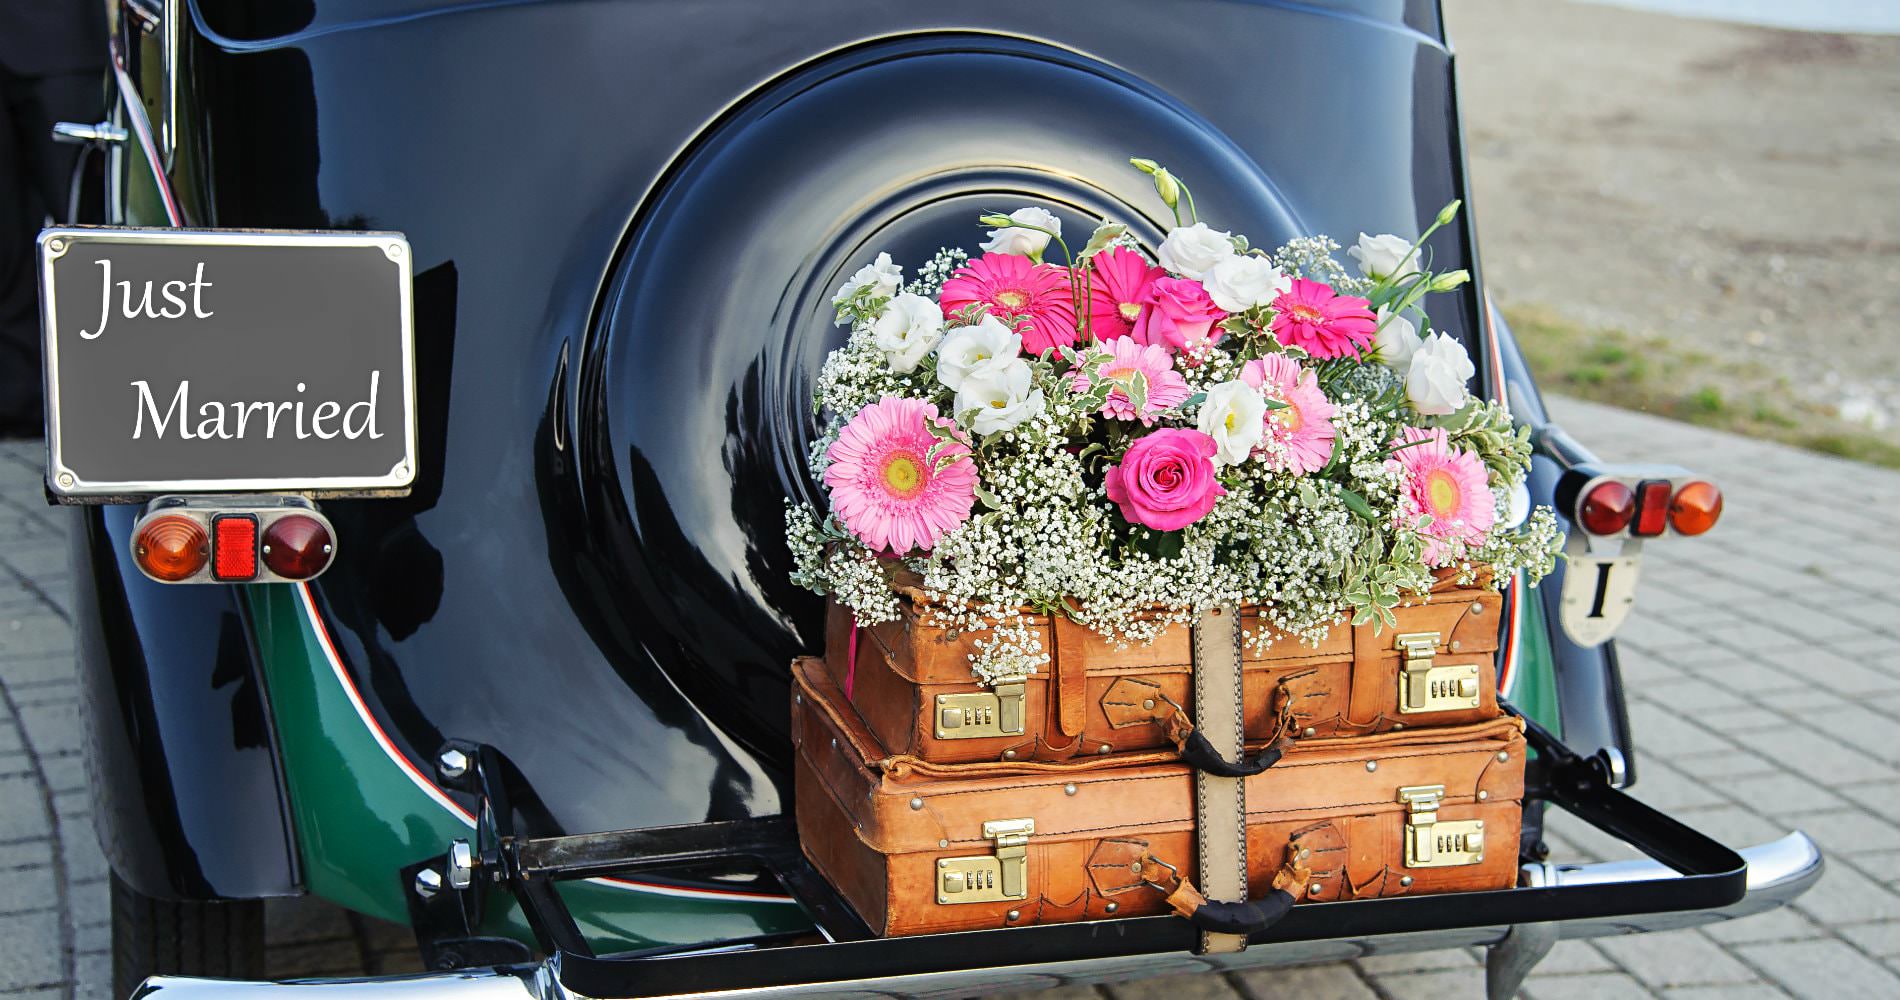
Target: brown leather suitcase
x: 920, y: 847
x: 911, y: 683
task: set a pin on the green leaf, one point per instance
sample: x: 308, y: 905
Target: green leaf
x: 1105, y: 235
x: 1358, y: 505
x: 1138, y: 391
x: 988, y: 499
x: 1193, y: 401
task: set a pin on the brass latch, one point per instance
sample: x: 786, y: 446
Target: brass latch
x: 990, y: 878
x: 996, y: 712
x: 1424, y: 686
x: 1432, y: 843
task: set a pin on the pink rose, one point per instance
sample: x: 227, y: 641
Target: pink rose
x: 1177, y: 314
x: 1166, y: 480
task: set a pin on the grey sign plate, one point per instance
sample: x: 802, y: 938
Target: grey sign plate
x: 182, y: 361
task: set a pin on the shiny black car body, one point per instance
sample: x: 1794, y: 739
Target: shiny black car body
x: 627, y: 220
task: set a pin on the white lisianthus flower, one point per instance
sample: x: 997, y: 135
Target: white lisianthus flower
x: 977, y: 351
x: 1435, y: 380
x: 908, y: 328
x: 1192, y: 251
x: 1397, y: 340
x: 1242, y: 281
x: 1001, y: 399
x: 1385, y: 257
x: 1517, y: 508
x: 1235, y: 416
x: 881, y: 275
x: 1024, y: 242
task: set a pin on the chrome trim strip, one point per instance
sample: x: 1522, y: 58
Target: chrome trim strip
x: 63, y: 481
x: 142, y: 127
x: 1778, y: 872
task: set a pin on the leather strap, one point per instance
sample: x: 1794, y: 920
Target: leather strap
x: 1220, y: 803
x: 1069, y: 687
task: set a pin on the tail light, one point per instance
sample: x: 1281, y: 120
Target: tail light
x: 297, y: 547
x: 1696, y: 508
x: 171, y: 548
x: 1607, y: 509
x: 232, y: 539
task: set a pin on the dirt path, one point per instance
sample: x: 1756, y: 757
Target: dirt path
x: 1733, y: 188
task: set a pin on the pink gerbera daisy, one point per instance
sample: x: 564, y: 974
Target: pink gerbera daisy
x: 1324, y: 324
x: 884, y: 485
x: 1166, y: 388
x: 1120, y: 277
x: 1033, y: 298
x: 1299, y: 436
x: 1447, y: 484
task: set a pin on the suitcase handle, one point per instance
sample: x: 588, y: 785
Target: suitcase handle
x: 1197, y: 751
x: 1245, y: 917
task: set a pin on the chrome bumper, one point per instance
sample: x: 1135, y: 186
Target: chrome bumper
x: 1778, y: 872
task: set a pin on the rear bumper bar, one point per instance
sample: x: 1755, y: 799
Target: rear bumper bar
x: 1778, y: 872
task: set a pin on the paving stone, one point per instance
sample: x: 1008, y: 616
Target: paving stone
x: 1873, y: 732
x: 1845, y: 895
x: 25, y: 854
x: 1822, y: 970
x: 1881, y: 940
x: 1414, y: 961
x: 53, y: 728
x: 1850, y: 831
x: 24, y: 817
x: 1452, y: 984
x: 1587, y: 987
x: 29, y: 950
x: 34, y: 632
x: 28, y: 889
x: 1731, y: 991
x: 1747, y: 719
x: 1882, y: 797
x: 1691, y: 694
x: 1572, y: 957
x: 1781, y: 796
x: 1733, y: 825
x: 1828, y: 761
x: 1321, y: 982
x: 1661, y: 731
x: 1677, y: 958
x: 1058, y: 993
x: 1785, y: 924
x: 25, y: 670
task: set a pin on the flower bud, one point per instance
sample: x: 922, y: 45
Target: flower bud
x: 1145, y: 166
x: 1167, y: 187
x: 1450, y: 280
x: 996, y: 219
x: 1449, y: 212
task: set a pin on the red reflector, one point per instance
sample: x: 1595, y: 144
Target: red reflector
x: 234, y: 547
x: 1652, y: 507
x: 297, y: 547
x: 1607, y: 508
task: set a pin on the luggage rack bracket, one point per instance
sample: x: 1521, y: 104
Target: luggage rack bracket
x: 528, y: 867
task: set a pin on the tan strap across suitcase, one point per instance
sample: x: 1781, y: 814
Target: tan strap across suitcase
x: 918, y: 846
x: 911, y: 683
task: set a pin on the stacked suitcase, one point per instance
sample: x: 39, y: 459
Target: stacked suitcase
x: 1376, y: 764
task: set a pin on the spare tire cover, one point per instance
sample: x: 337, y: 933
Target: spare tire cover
x: 695, y: 411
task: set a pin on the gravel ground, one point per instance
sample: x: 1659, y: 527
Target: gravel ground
x: 1732, y: 188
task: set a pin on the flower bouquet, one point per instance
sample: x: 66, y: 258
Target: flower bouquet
x: 1128, y: 441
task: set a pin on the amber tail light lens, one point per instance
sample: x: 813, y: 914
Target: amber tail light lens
x: 171, y: 548
x: 1607, y: 508
x: 1696, y: 508
x: 297, y: 547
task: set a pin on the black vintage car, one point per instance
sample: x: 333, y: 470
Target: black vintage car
x: 536, y: 708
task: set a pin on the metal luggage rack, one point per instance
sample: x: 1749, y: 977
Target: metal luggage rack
x: 446, y: 916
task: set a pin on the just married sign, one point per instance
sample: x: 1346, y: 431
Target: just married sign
x: 193, y: 360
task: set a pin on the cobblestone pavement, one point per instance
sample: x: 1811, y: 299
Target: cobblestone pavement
x: 1763, y: 664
